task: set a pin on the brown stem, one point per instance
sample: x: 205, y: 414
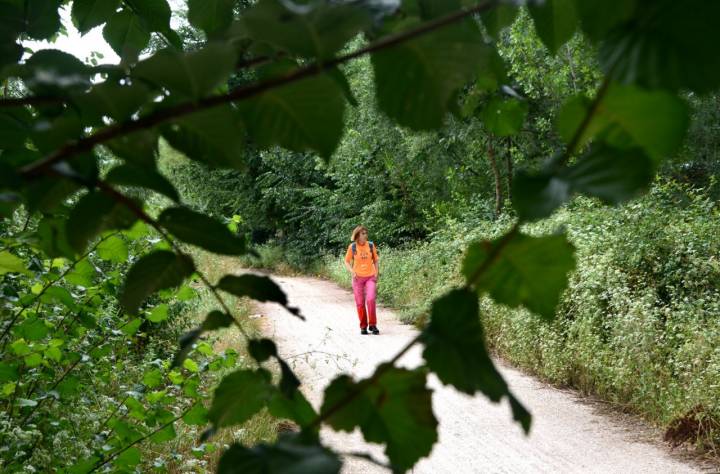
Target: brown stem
x: 170, y: 113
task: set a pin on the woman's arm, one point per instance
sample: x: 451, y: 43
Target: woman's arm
x: 349, y: 268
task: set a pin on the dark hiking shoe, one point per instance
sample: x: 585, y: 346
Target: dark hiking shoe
x: 363, y: 331
x: 374, y: 330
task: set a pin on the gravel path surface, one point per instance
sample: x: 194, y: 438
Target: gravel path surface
x: 569, y: 434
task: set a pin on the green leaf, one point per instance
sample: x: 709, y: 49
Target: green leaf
x: 288, y: 455
x: 142, y: 177
x: 116, y: 101
x: 126, y: 34
x: 613, y: 175
x: 504, y: 117
x: 93, y: 214
x: 191, y: 365
x: 197, y: 415
x: 33, y: 329
x: 671, y: 45
x: 198, y: 229
x: 317, y: 31
x: 153, y: 378
x: 8, y: 372
x: 417, y: 80
x: 211, y: 16
x: 132, y: 327
x: 113, y: 249
x: 10, y: 53
x: 10, y: 263
x: 186, y: 344
x: 216, y: 320
x: 185, y: 293
x: 455, y: 348
x: 87, y: 14
x: 20, y: 347
x: 155, y: 13
x: 53, y: 72
x: 158, y: 314
x: 259, y: 288
x: 61, y: 295
x: 239, y: 396
x: 396, y: 410
x: 83, y: 274
x: 214, y: 136
x: 295, y: 407
x: 307, y: 114
x: 262, y: 349
x: 599, y: 17
x: 42, y: 18
x: 138, y: 148
x: 155, y: 271
x: 33, y: 360
x: 128, y: 459
x: 524, y: 270
x: 15, y: 128
x: 555, y: 22
x: 190, y: 75
x: 164, y: 435
x: 655, y: 120
x: 498, y: 18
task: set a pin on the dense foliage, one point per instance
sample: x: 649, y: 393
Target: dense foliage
x: 266, y: 89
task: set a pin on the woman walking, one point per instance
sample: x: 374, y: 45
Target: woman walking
x: 361, y: 260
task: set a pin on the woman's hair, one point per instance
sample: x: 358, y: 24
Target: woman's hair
x: 356, y: 231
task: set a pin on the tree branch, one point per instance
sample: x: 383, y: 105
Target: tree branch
x: 181, y: 110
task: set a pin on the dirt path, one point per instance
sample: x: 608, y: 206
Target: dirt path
x: 568, y: 434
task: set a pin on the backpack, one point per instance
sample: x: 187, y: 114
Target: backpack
x: 372, y: 252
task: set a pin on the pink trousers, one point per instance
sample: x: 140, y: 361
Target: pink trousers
x: 364, y: 291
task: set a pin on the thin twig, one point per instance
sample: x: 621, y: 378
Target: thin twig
x: 48, y: 285
x: 139, y: 440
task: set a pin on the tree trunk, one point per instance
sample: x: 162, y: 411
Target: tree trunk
x: 509, y: 168
x: 498, y: 183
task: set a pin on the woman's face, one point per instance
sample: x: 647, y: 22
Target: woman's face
x: 362, y: 236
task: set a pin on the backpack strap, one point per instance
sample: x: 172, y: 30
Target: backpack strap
x: 353, y: 246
